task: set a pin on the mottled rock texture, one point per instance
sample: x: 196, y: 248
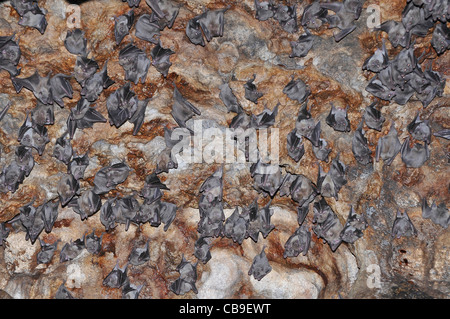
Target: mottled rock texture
x: 408, y: 267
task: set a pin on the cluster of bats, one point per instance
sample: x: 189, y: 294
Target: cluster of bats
x: 397, y: 79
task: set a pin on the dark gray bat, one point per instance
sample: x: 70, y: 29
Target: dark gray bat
x: 264, y: 10
x: 107, y: 214
x: 379, y: 90
x: 402, y: 96
x: 147, y: 29
x: 301, y: 190
x: 241, y: 120
x: 295, y: 146
x: 63, y: 149
x: 414, y: 156
x: 166, y: 12
x: 75, y: 42
x: 121, y: 105
x: 354, y: 226
x: 187, y: 279
x: 93, y: 243
x: 265, y: 119
x: 63, y: 293
x: 182, y: 109
x: 445, y: 133
x: 132, y: 3
x: 84, y: 69
x: 78, y: 165
x: 301, y: 47
x: 338, y: 119
x: 123, y: 25
x: 322, y: 150
x: 298, y: 243
x: 67, y: 188
x: 194, y: 32
x: 125, y: 210
x: 83, y: 116
x: 40, y: 86
x: 229, y: 99
x: 161, y: 59
x: 302, y: 212
x: 49, y: 213
x: 71, y: 250
x: 209, y: 226
x: 412, y: 15
x: 259, y: 222
x: 148, y: 212
x: 441, y: 38
x: 43, y: 114
x: 61, y: 88
x: 251, y: 92
x: 260, y: 266
x: 94, y: 85
x: 287, y: 17
x: 378, y: 61
x: 235, y: 227
x: 360, y: 148
x: 87, y: 204
x: 139, y: 116
x: 202, y: 251
x: 314, y: 16
x: 107, y: 178
x: 373, y: 117
x: 33, y: 135
x: 11, y: 177
x: 212, y: 23
x: 9, y: 55
x: 135, y: 63
x: 24, y: 159
x: 34, y: 19
x: 130, y: 291
x: 306, y: 126
x: 4, y: 233
x: 267, y: 178
x: 397, y: 33
x: 117, y: 277
x: 167, y: 212
x: 403, y: 226
x: 329, y: 184
x: 139, y: 256
x: 45, y: 255
x: 420, y: 129
x: 439, y: 214
x: 345, y: 13
x: 23, y: 6
x: 327, y: 224
x: 297, y: 90
x: 165, y: 161
x: 388, y: 146
x: 152, y: 188
x: 405, y: 61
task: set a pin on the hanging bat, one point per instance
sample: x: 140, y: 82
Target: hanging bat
x: 403, y: 226
x: 165, y: 161
x: 397, y: 33
x: 93, y: 243
x: 67, y: 188
x: 84, y: 69
x: 301, y: 47
x: 412, y: 15
x: 43, y: 114
x: 445, y: 133
x: 212, y: 23
x: 130, y: 291
x: 302, y: 212
x: 314, y: 16
x: 132, y: 3
x: 209, y: 228
x: 439, y: 214
x: 9, y: 55
x: 301, y: 190
x: 148, y: 212
x: 4, y: 233
x: 4, y: 109
x: 327, y: 223
x: 354, y: 226
x: 229, y: 99
x: 121, y: 105
x: 329, y: 184
x: 287, y: 17
x: 202, y: 251
x: 24, y: 159
x: 117, y: 277
x: 379, y: 90
x: 33, y: 135
x: 61, y: 88
x: 147, y: 29
x: 83, y: 116
x: 373, y: 117
x: 187, y: 279
x: 298, y: 243
x: 135, y: 63
x: 63, y: 149
x: 295, y: 146
x: 297, y: 90
x: 441, y: 38
x: 345, y: 13
x: 182, y: 109
x: 388, y: 146
x: 107, y: 178
x: 77, y: 166
x: 260, y: 266
x: 251, y: 93
x: 260, y: 223
x: 45, y: 255
x: 194, y: 32
x: 107, y: 214
x: 165, y: 10
x: 40, y: 86
x: 212, y: 187
x: 34, y: 19
x: 63, y: 293
x: 305, y: 125
x: 241, y: 120
x: 236, y: 226
x: 378, y: 61
x: 11, y: 177
x: 49, y: 213
x: 360, y: 148
x: 71, y: 250
x: 87, y: 204
x: 265, y: 119
x: 338, y: 119
x: 23, y: 6
x: 420, y: 130
x: 264, y: 10
x: 126, y: 209
x: 322, y: 150
x: 267, y: 177
x: 414, y: 156
x: 139, y: 256
x: 152, y: 188
x: 123, y: 25
x: 75, y: 42
x: 405, y: 61
x: 161, y: 59
x: 139, y: 116
x: 94, y: 85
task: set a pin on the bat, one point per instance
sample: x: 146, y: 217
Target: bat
x: 345, y: 13
x: 33, y: 135
x: 420, y: 130
x: 297, y: 243
x: 297, y: 90
x: 187, y: 279
x: 9, y: 55
x: 402, y: 96
x: 4, y: 108
x: 301, y: 190
x: 259, y: 222
x: 152, y: 188
x: 23, y: 6
x: 412, y: 15
x: 212, y: 23
x: 24, y: 159
x: 414, y: 156
x: 194, y: 32
x: 302, y: 212
x: 338, y: 119
x: 235, y: 227
x: 40, y: 86
x: 63, y: 149
x: 260, y: 266
x: 166, y: 12
x: 43, y: 114
x: 314, y: 15
x: 130, y: 291
x: 403, y: 226
x: 161, y: 59
x: 327, y: 224
x: 139, y: 256
x: 445, y: 133
x: 354, y: 226
x: 378, y: 61
x: 61, y: 88
x: 202, y: 251
x: 93, y: 243
x: 322, y: 150
x: 212, y: 187
x: 67, y: 188
x: 4, y: 233
x: 360, y: 148
x: 63, y: 293
x: 77, y: 166
x: 295, y: 146
x: 49, y: 213
x: 132, y: 3
x: 87, y: 204
x: 182, y: 109
x: 84, y: 69
x: 125, y: 210
x: 439, y: 214
x: 94, y: 85
x: 117, y: 277
x: 397, y: 33
x: 123, y: 25
x: 251, y: 92
x: 107, y: 178
x: 165, y: 161
x: 139, y: 116
x: 329, y: 184
x: 306, y: 126
x: 265, y: 119
x: 167, y: 213
x: 147, y: 29
x: 83, y: 116
x: 264, y: 10
x: 107, y: 214
x: 379, y: 90
x: 229, y: 99
x: 287, y: 17
x: 11, y: 177
x: 121, y: 105
x: 405, y: 61
x: 267, y: 177
x: 388, y: 146
x: 71, y: 250
x: 441, y: 38
x: 210, y: 226
x: 34, y: 19
x: 45, y: 255
x: 75, y: 42
x: 301, y: 47
x: 241, y: 120
x: 373, y: 117
x: 148, y: 212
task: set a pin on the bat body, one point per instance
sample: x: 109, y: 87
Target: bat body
x: 420, y: 130
x: 388, y: 146
x: 87, y: 204
x: 130, y: 291
x: 135, y: 63
x: 67, y: 188
x: 4, y: 233
x: 147, y: 29
x: 123, y: 25
x: 33, y: 135
x: 314, y: 15
x: 46, y: 253
x: 295, y: 146
x: 187, y: 279
x: 139, y: 256
x: 322, y: 150
x: 24, y: 159
x: 441, y: 38
x: 354, y: 226
x: 107, y: 178
x: 329, y: 184
x: 40, y: 86
x: 264, y: 10
x: 93, y: 243
x: 267, y: 177
x: 373, y: 117
x: 75, y: 42
x: 251, y: 92
x: 166, y: 11
x: 297, y: 243
x: 439, y: 214
x: 229, y: 99
x: 78, y: 165
x: 301, y: 47
x: 360, y: 148
x: 161, y: 59
x: 63, y: 293
x: 202, y: 251
x: 71, y: 250
x: 259, y: 222
x: 338, y: 119
x: 327, y: 224
x: 397, y: 33
x: 403, y: 226
x: 235, y: 227
x: 297, y: 90
x: 265, y: 119
x: 260, y: 266
x: 121, y: 105
x: 194, y: 32
x: 117, y: 277
x: 345, y: 14
x: 83, y: 116
x: 63, y: 149
x: 287, y: 17
x: 9, y: 55
x: 95, y: 84
x: 416, y: 155
x: 182, y: 109
x: 31, y: 15
x: 84, y: 69
x: 11, y: 177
